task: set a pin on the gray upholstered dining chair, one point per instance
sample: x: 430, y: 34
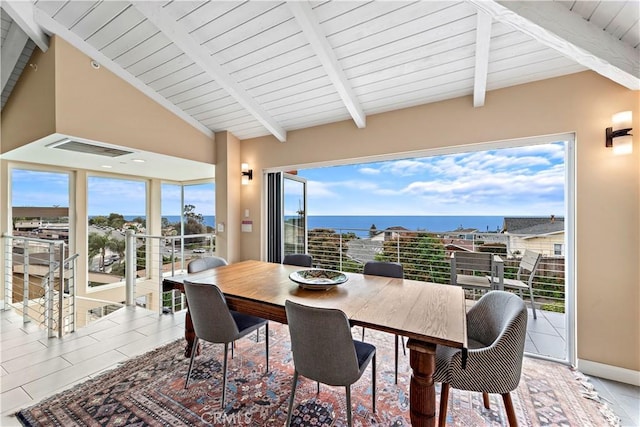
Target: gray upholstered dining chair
x: 205, y: 263
x: 496, y: 332
x: 324, y: 351
x: 301, y: 260
x: 387, y: 269
x: 215, y: 323
x: 528, y: 266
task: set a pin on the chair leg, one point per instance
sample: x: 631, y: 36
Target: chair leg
x: 348, y: 390
x: 362, y: 333
x: 224, y: 371
x: 373, y: 382
x: 266, y: 344
x: 293, y: 393
x: 396, y: 362
x: 444, y: 401
x: 511, y: 414
x: 485, y: 400
x: 193, y: 356
x: 404, y: 349
x: 533, y: 304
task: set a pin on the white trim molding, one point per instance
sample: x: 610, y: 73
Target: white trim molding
x: 609, y: 372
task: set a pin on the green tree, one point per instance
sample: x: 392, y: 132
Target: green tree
x: 97, y: 244
x: 328, y: 247
x: 422, y: 256
x: 140, y: 220
x: 116, y: 220
x: 99, y: 220
x: 194, y: 222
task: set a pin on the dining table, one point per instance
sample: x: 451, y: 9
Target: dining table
x: 429, y: 314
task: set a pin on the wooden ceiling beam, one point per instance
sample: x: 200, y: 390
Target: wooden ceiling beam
x: 176, y: 32
x: 557, y: 27
x: 317, y: 39
x: 483, y: 45
x: 22, y: 12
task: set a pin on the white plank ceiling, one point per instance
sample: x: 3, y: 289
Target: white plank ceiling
x: 264, y: 67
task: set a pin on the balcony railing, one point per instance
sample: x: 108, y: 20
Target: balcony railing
x: 425, y: 256
x: 148, y: 259
x: 40, y: 282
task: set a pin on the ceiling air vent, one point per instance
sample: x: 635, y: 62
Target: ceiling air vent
x: 83, y: 147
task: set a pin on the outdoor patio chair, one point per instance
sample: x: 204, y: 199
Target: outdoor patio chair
x: 205, y: 263
x: 324, y: 351
x: 214, y: 322
x: 496, y: 332
x: 478, y: 270
x: 387, y: 269
x: 528, y: 265
x: 301, y: 260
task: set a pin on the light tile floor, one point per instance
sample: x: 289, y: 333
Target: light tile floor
x: 33, y: 366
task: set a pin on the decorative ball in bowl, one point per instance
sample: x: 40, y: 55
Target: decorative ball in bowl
x: 318, y: 279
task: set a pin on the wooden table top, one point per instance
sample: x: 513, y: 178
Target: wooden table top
x: 423, y: 311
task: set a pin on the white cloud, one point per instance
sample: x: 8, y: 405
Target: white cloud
x: 369, y: 171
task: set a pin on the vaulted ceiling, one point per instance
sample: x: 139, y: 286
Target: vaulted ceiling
x: 265, y: 67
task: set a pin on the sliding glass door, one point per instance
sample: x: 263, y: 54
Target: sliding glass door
x: 287, y: 215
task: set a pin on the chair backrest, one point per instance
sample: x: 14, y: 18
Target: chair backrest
x: 205, y: 263
x: 322, y: 344
x: 384, y: 268
x: 212, y: 320
x: 529, y: 263
x: 499, y: 321
x: 473, y: 261
x: 301, y: 260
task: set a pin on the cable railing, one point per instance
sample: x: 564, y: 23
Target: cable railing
x: 149, y: 259
x: 41, y: 283
x: 426, y: 256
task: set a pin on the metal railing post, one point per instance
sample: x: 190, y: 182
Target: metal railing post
x: 50, y: 292
x: 25, y: 284
x: 130, y: 268
x: 61, y: 290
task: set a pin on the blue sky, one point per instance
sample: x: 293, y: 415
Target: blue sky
x: 526, y: 181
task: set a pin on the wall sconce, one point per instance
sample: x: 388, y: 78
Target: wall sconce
x: 247, y: 174
x: 624, y: 142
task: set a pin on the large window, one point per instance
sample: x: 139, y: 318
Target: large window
x: 188, y: 210
x: 40, y: 204
x: 419, y: 210
x: 114, y: 205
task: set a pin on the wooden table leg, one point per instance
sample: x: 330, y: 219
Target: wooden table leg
x: 422, y: 390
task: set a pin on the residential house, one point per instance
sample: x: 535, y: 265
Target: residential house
x: 199, y: 93
x: 539, y: 234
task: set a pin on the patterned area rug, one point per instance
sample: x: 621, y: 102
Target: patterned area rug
x: 149, y: 391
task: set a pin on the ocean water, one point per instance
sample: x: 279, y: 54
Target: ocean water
x: 414, y: 223
x: 364, y: 222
